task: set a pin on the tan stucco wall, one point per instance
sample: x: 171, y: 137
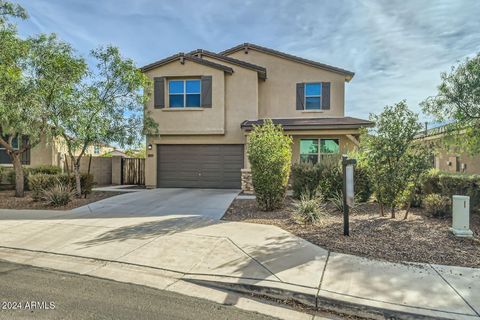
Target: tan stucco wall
x: 44, y: 153
x: 277, y: 95
x: 238, y: 102
x: 456, y: 160
x: 190, y: 120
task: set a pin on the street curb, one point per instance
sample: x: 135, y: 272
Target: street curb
x: 318, y: 303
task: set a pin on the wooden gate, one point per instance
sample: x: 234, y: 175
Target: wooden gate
x: 133, y: 171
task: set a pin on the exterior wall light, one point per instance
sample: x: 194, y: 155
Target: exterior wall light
x: 150, y: 147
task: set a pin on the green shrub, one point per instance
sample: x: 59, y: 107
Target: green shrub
x: 448, y: 184
x: 59, y: 194
x: 40, y: 182
x: 328, y: 179
x: 46, y: 169
x: 437, y: 205
x: 270, y: 154
x: 309, y: 208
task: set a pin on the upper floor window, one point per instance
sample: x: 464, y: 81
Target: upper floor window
x: 184, y: 93
x: 313, y: 96
x: 96, y: 150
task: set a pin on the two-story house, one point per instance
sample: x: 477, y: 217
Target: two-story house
x: 206, y: 104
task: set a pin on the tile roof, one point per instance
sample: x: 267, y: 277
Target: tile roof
x: 261, y: 70
x: 179, y: 56
x: 348, y: 74
x: 312, y: 123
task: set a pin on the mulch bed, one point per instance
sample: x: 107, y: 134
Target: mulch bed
x: 420, y: 238
x: 8, y: 201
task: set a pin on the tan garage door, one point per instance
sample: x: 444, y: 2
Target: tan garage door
x: 199, y: 166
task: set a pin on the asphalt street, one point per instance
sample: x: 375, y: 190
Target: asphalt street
x: 31, y: 293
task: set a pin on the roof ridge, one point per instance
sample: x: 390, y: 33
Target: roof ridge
x: 238, y: 62
x: 187, y: 56
x: 313, y: 63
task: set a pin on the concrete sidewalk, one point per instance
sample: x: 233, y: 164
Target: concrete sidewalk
x: 242, y: 255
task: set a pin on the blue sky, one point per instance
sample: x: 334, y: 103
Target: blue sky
x: 396, y: 48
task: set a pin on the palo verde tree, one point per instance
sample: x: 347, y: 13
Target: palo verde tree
x: 106, y: 107
x: 393, y: 158
x: 270, y: 156
x: 20, y: 113
x: 458, y: 99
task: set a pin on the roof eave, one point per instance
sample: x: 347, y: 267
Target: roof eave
x: 188, y: 57
x: 348, y: 74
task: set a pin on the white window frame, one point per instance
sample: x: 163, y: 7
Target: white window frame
x: 184, y: 93
x: 17, y: 148
x: 319, y: 147
x: 311, y: 96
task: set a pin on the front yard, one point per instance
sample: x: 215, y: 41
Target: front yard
x: 420, y: 238
x: 8, y: 201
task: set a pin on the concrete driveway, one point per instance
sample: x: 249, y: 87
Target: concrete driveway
x: 206, y: 203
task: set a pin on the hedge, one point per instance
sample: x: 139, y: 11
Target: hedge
x: 328, y: 179
x: 448, y: 184
x: 40, y: 182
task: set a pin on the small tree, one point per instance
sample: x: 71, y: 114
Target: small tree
x: 392, y: 158
x: 270, y: 154
x: 107, y: 107
x: 21, y: 115
x: 458, y: 99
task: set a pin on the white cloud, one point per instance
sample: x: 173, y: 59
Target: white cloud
x: 396, y: 48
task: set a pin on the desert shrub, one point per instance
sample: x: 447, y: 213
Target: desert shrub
x: 436, y: 204
x: 39, y: 182
x: 328, y: 179
x: 337, y: 201
x: 45, y: 169
x: 448, y: 184
x: 309, y: 208
x: 269, y: 153
x: 59, y: 194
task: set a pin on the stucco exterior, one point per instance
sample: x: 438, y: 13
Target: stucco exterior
x: 275, y: 94
x: 244, y: 94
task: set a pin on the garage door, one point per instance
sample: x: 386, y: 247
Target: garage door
x: 199, y: 166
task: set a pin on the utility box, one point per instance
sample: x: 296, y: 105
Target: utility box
x: 461, y: 216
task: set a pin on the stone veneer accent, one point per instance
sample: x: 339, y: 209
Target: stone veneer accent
x: 247, y: 185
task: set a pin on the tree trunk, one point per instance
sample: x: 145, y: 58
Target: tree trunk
x: 393, y: 213
x: 19, y: 178
x: 409, y: 205
x: 78, y: 184
x: 382, y: 212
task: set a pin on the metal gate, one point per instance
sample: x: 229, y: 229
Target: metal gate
x: 133, y: 171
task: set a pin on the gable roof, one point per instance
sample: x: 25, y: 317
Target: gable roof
x: 262, y: 72
x: 245, y: 46
x: 181, y: 57
x: 312, y: 123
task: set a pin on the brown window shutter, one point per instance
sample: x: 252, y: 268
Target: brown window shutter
x: 159, y: 92
x: 300, y: 95
x: 206, y: 91
x: 326, y: 95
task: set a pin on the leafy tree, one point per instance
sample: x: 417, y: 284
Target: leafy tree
x: 393, y: 159
x: 8, y: 9
x: 106, y: 107
x: 20, y: 113
x: 270, y: 154
x: 458, y: 99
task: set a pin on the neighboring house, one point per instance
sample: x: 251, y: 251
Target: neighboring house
x: 48, y: 153
x: 206, y: 104
x: 115, y: 153
x: 446, y: 159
